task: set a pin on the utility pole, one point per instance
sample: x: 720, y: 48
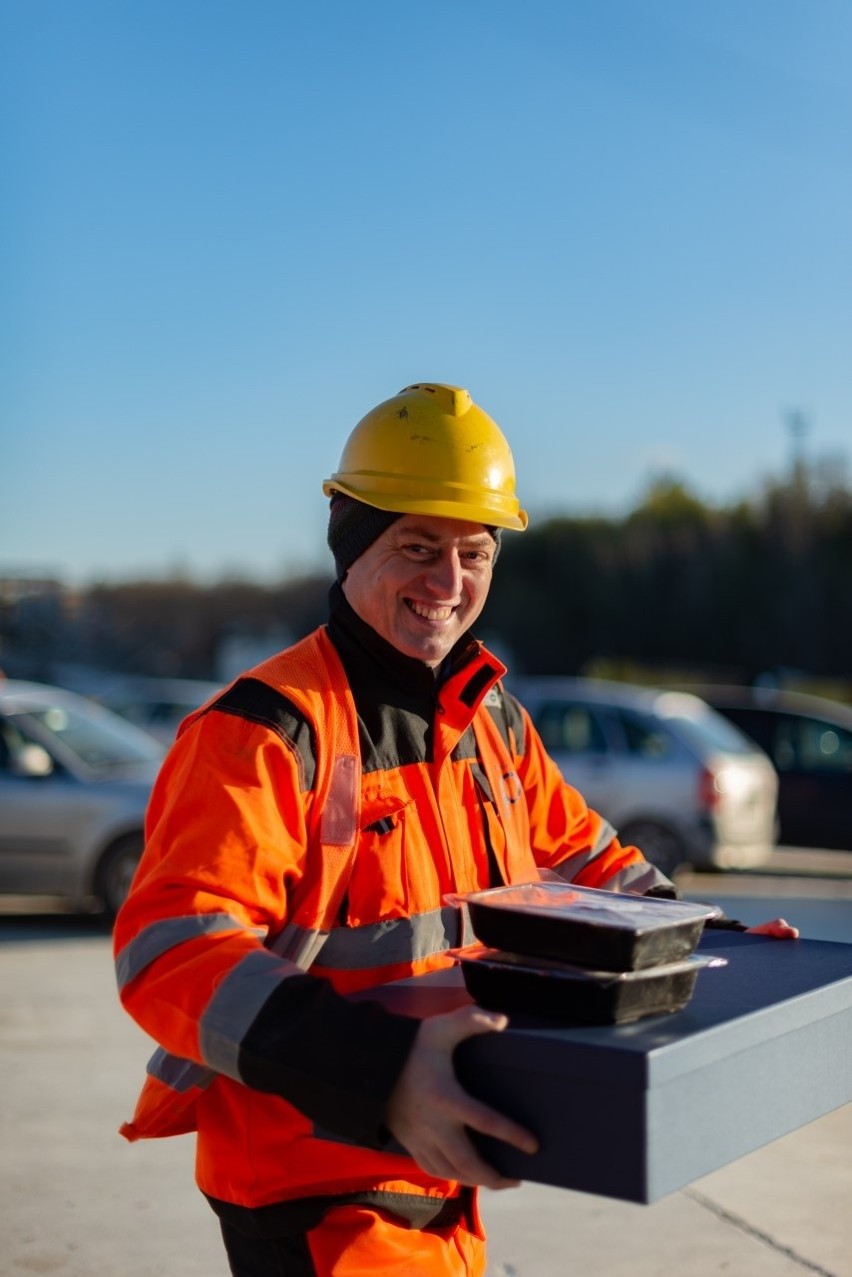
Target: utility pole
x: 799, y: 426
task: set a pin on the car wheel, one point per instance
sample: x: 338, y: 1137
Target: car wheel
x: 115, y: 872
x: 657, y: 842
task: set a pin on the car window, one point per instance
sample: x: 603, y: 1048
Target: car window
x: 782, y: 746
x: 820, y: 745
x: 100, y: 743
x: 12, y: 741
x: 168, y: 711
x: 8, y: 742
x: 644, y: 737
x: 797, y: 742
x: 569, y: 729
x: 759, y: 726
x: 707, y: 730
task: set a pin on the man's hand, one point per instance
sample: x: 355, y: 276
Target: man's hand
x: 429, y: 1110
x: 778, y: 927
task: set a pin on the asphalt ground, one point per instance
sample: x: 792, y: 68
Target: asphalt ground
x: 78, y: 1201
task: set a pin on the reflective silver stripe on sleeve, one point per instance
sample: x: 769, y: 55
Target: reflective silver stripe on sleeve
x: 605, y: 836
x: 580, y: 859
x: 396, y: 940
x: 179, y: 1074
x: 638, y: 878
x: 235, y: 1004
x: 299, y: 944
x: 168, y: 933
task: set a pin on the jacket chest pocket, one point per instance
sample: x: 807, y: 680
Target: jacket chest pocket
x: 380, y: 885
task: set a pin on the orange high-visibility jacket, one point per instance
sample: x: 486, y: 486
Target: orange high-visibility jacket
x: 316, y: 814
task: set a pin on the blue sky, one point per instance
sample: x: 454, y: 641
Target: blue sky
x: 229, y: 229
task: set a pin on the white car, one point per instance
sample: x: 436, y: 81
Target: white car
x: 673, y: 777
x: 74, y: 784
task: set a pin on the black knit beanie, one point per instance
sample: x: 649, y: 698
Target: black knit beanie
x: 353, y: 526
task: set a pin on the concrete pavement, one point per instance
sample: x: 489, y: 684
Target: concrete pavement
x: 77, y: 1201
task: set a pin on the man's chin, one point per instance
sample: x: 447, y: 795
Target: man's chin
x: 430, y: 650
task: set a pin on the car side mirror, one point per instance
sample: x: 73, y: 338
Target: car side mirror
x: 31, y: 760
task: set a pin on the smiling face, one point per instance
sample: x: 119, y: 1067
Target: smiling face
x: 422, y: 583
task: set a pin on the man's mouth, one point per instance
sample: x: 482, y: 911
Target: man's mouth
x: 430, y: 612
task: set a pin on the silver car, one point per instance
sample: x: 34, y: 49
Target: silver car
x: 74, y: 783
x: 157, y: 705
x: 673, y: 777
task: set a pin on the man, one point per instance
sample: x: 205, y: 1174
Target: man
x: 315, y: 815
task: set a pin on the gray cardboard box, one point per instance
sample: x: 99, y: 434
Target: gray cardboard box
x: 636, y: 1111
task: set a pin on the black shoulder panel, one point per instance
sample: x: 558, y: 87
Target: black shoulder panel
x: 256, y: 701
x: 507, y: 716
x: 465, y: 749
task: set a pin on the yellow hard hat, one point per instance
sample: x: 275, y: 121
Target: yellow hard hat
x: 431, y: 450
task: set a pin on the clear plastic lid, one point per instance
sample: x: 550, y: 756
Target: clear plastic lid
x: 499, y: 959
x: 588, y: 905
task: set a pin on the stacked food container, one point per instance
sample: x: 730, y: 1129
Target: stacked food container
x: 581, y: 954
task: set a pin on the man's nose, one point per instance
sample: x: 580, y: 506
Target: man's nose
x: 445, y: 574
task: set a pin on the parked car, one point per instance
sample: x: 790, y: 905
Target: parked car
x: 671, y: 775
x: 74, y: 783
x: 809, y: 739
x: 158, y: 705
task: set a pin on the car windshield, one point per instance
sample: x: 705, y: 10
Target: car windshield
x: 96, y: 738
x: 702, y: 727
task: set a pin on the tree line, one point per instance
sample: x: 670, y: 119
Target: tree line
x: 765, y: 584
x: 675, y: 584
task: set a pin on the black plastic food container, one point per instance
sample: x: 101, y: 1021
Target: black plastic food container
x: 509, y: 982
x: 606, y: 930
